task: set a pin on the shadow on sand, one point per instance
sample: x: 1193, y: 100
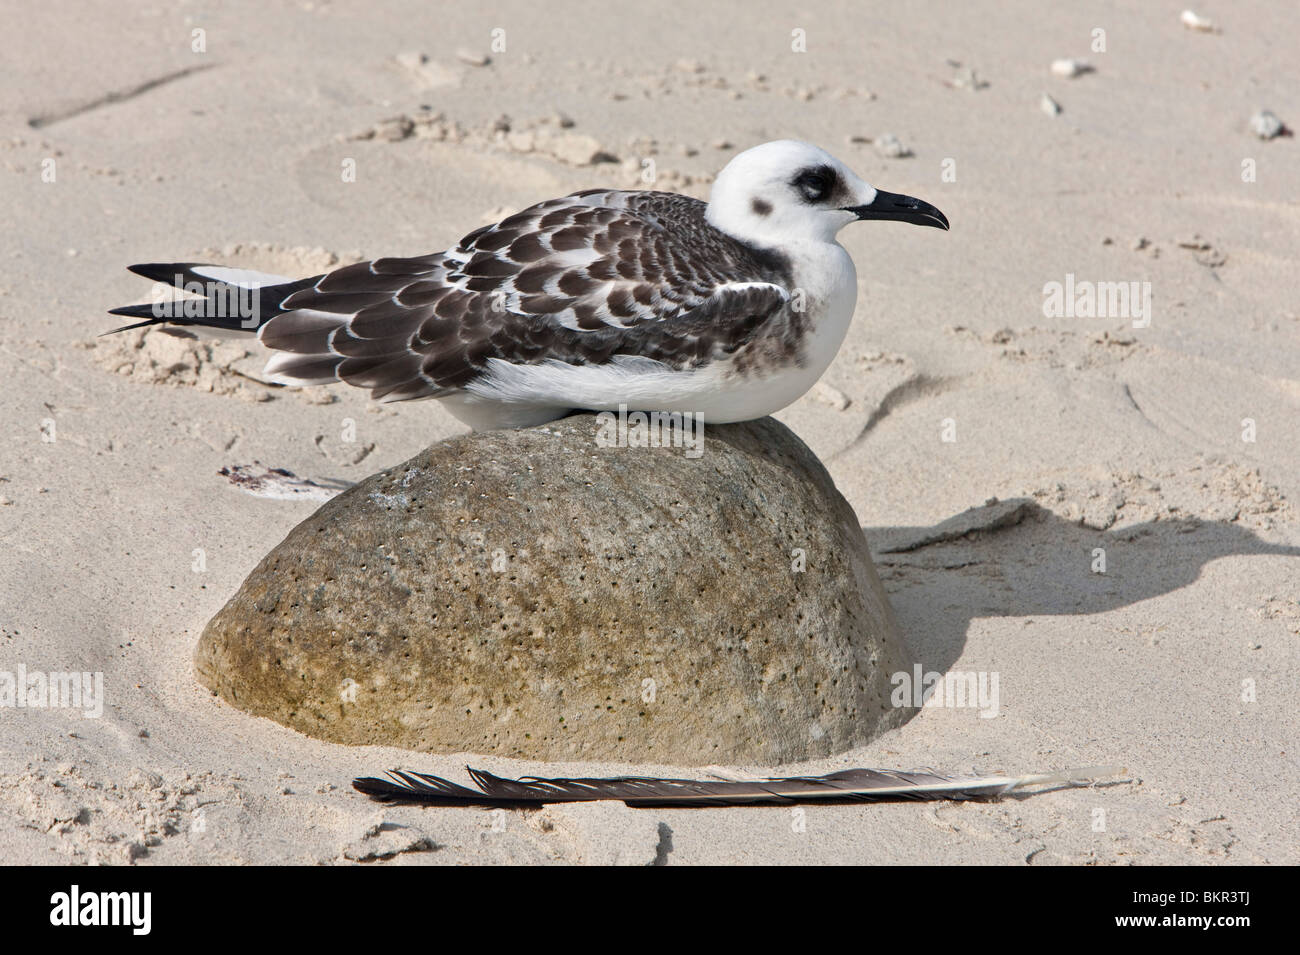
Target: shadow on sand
x: 1016, y: 559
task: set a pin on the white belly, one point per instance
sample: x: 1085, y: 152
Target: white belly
x: 515, y: 396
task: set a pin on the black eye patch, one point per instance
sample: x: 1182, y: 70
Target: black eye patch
x: 816, y: 183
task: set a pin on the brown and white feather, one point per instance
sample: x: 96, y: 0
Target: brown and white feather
x: 580, y: 280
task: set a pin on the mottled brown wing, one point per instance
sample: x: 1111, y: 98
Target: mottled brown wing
x: 579, y: 279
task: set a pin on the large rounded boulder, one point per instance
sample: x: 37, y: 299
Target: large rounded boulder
x: 564, y: 593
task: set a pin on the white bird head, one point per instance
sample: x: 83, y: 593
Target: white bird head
x: 787, y: 191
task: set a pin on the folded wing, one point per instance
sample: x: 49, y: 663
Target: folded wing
x: 581, y: 279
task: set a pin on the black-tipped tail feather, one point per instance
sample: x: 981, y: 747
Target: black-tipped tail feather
x: 215, y: 302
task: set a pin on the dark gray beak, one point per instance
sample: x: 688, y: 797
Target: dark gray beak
x: 891, y: 205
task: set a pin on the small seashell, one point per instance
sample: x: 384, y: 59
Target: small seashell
x: 1197, y: 23
x: 1266, y: 126
x: 1049, y: 106
x: 1071, y: 68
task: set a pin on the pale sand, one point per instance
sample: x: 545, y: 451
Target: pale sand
x: 1126, y: 439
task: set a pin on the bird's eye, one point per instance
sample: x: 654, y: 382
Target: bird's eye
x: 815, y: 185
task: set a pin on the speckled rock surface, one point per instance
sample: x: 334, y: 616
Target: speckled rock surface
x: 532, y: 594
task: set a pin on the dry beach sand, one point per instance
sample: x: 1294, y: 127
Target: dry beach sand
x: 119, y: 539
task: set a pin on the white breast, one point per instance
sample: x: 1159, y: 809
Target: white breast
x: 825, y: 274
x: 513, y: 395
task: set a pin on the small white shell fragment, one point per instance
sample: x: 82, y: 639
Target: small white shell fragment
x: 471, y: 58
x: 1071, y: 68
x: 1198, y: 23
x: 1049, y: 106
x: 1265, y: 125
x: 889, y: 146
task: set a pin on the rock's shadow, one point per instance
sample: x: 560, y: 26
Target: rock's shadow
x: 1017, y: 559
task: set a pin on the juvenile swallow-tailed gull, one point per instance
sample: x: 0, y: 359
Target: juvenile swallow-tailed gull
x: 649, y: 301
